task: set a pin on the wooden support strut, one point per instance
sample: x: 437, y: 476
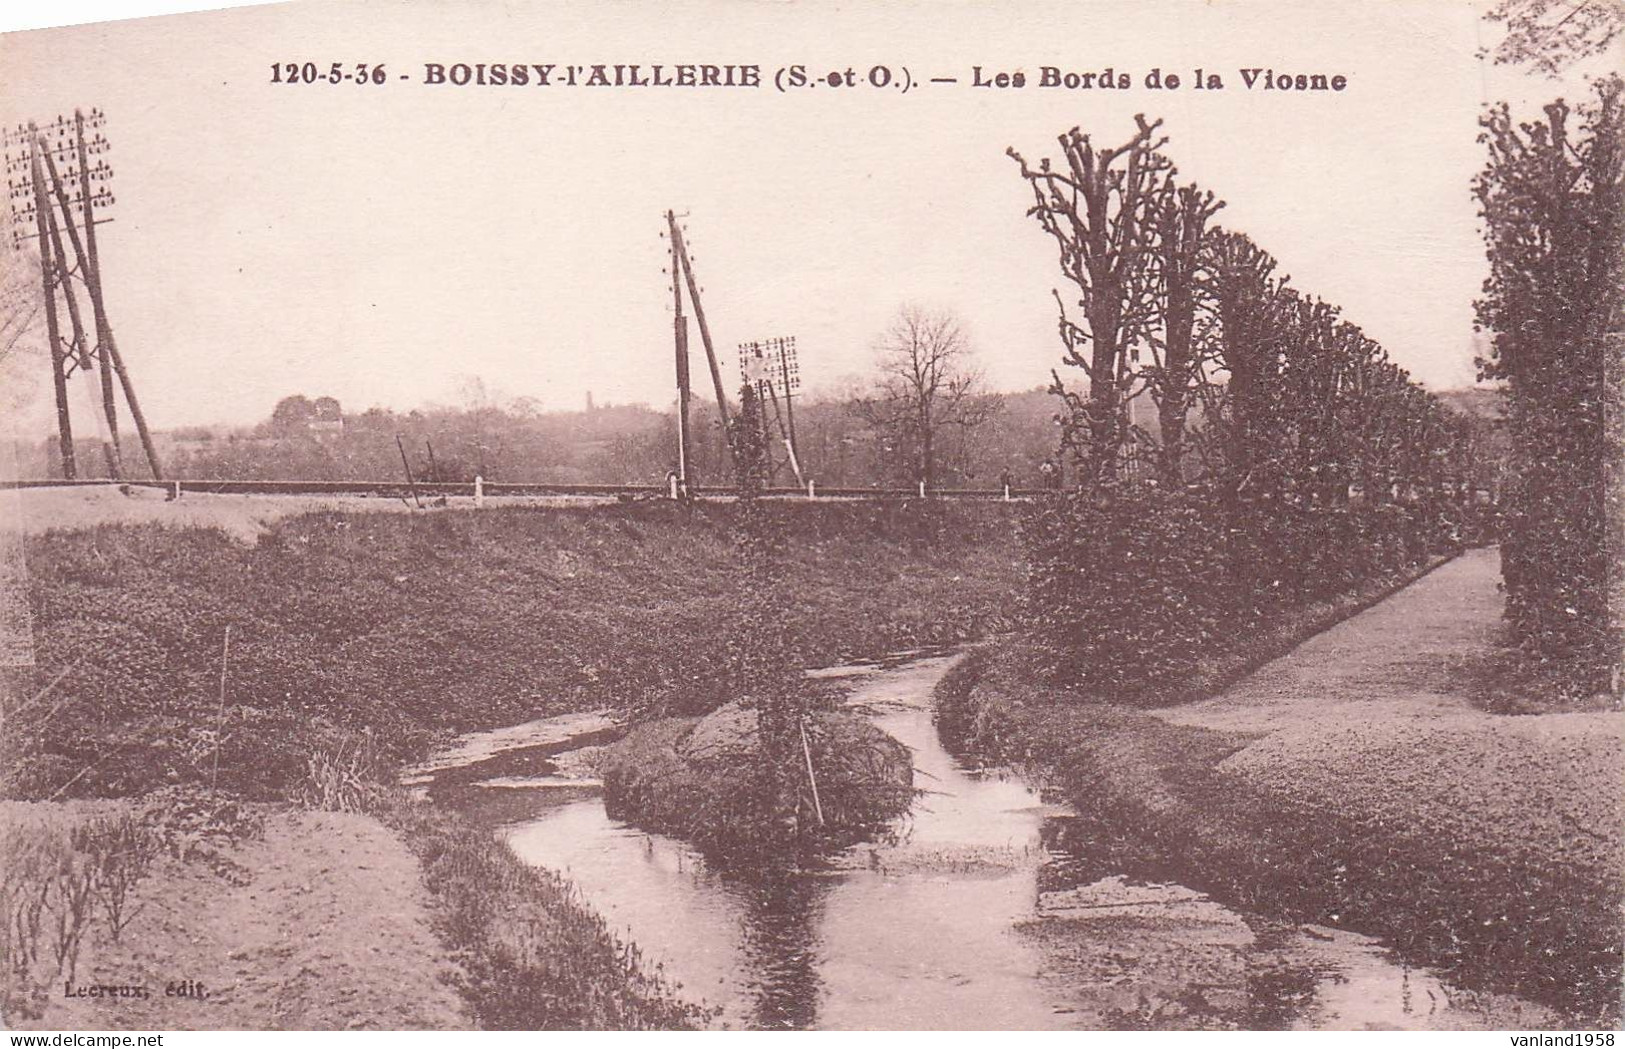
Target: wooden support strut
x: 86, y: 250
x: 53, y: 334
x: 411, y: 485
x: 680, y: 352
x: 699, y: 315
x: 79, y: 341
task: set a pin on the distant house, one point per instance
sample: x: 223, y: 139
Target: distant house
x: 326, y: 416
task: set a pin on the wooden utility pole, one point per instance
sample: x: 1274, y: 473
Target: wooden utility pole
x: 680, y: 339
x: 784, y: 432
x: 106, y: 344
x: 53, y: 333
x: 789, y: 410
x: 104, y: 336
x: 30, y: 149
x: 87, y: 355
x: 699, y: 315
x: 77, y: 349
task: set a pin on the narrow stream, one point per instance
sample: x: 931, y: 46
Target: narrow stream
x: 983, y: 913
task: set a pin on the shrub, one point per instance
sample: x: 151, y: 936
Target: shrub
x: 343, y: 776
x: 707, y: 780
x: 1124, y: 591
x: 1128, y: 592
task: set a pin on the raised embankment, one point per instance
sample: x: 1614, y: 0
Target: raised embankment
x: 405, y: 627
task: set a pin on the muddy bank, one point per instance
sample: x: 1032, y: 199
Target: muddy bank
x: 318, y: 922
x: 1378, y: 831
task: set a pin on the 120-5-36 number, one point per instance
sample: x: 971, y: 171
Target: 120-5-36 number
x: 310, y: 73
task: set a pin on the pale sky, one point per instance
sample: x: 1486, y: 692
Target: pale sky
x: 378, y: 243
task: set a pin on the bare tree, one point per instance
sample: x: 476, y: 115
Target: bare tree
x: 481, y: 411
x: 1099, y: 211
x: 1552, y: 35
x: 927, y: 386
x: 21, y: 304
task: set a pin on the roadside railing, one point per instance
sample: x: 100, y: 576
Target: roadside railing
x: 478, y: 489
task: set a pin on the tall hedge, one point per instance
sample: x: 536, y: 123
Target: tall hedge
x: 1312, y: 464
x: 1554, y: 225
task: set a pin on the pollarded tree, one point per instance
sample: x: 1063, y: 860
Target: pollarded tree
x: 1179, y: 224
x: 1099, y: 210
x: 927, y: 386
x: 1253, y: 307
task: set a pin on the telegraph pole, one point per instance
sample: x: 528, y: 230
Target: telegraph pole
x: 104, y: 334
x: 106, y: 343
x: 699, y: 315
x: 680, y: 339
x: 766, y: 366
x: 59, y: 362
x: 27, y: 147
x: 77, y: 349
x: 786, y: 374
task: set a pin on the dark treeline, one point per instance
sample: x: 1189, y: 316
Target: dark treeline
x: 611, y: 444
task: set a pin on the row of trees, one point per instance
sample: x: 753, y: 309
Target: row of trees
x: 856, y: 437
x: 1289, y: 460
x: 1553, y: 210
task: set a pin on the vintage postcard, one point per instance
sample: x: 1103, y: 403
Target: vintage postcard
x: 728, y: 514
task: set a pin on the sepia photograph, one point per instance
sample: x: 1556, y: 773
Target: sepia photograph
x: 791, y: 515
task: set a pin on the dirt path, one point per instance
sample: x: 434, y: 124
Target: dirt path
x: 332, y: 931
x: 1407, y: 656
x: 31, y: 511
x: 1373, y: 719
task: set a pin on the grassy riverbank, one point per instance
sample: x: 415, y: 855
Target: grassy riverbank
x: 357, y: 641
x: 1354, y: 784
x: 375, y: 634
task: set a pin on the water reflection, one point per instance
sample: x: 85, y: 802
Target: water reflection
x: 779, y: 946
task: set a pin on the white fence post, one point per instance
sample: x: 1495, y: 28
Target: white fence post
x: 479, y: 491
x: 1007, y: 493
x: 922, y: 489
x: 177, y: 489
x: 812, y: 488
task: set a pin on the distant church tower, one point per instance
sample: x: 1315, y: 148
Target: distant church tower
x: 589, y: 400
